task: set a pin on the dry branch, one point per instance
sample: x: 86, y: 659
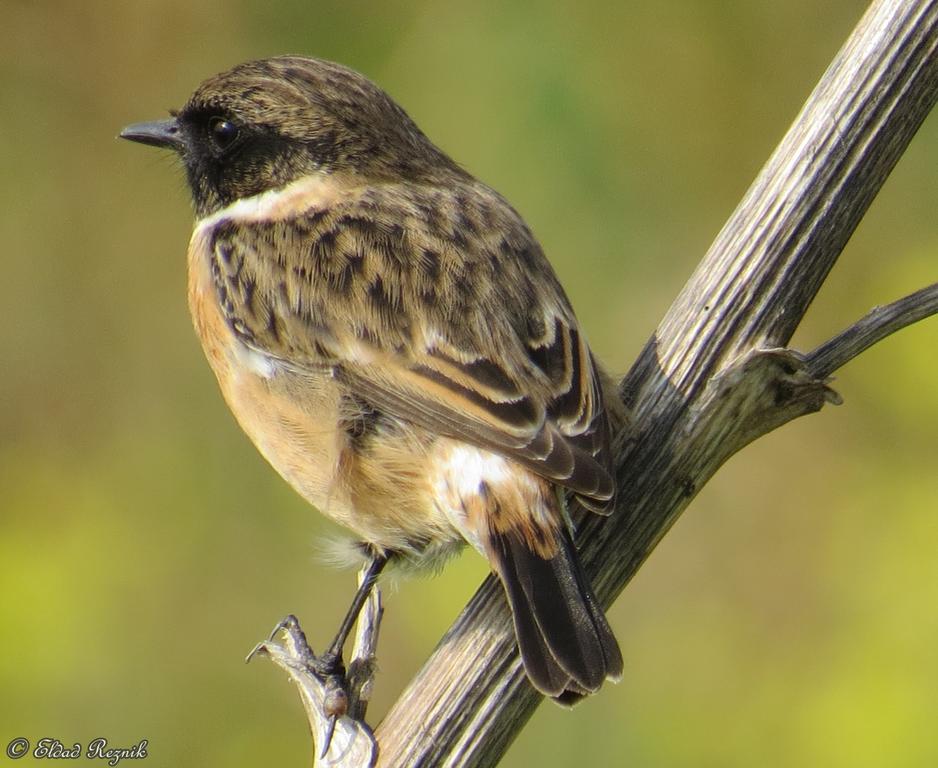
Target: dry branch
x: 716, y: 374
x: 873, y: 327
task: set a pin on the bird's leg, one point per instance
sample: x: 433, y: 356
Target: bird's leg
x: 329, y: 664
x: 329, y: 667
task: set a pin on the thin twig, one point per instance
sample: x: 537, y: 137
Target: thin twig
x: 873, y: 327
x: 362, y: 666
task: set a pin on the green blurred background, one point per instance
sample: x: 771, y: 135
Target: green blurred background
x: 788, y: 619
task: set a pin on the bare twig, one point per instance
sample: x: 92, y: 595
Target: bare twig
x: 874, y: 326
x: 362, y: 667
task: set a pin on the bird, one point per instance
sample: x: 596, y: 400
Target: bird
x: 388, y: 332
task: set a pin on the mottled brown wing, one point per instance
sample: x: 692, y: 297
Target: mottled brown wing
x: 435, y: 306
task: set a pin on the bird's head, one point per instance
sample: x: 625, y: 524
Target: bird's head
x: 264, y: 124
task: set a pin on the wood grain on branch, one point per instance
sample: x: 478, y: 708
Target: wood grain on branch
x: 716, y: 374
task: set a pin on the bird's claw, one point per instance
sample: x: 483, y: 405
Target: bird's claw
x: 330, y: 670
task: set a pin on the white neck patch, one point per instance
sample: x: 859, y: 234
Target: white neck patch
x: 318, y: 190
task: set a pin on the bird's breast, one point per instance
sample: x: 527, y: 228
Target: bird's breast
x: 303, y: 421
x: 291, y: 417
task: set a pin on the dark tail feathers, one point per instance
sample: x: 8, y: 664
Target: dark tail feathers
x: 566, y: 644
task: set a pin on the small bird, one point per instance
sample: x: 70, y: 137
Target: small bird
x: 389, y: 334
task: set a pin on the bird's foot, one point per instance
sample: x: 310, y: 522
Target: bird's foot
x: 323, y: 681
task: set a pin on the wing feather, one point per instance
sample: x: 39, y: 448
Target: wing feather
x: 436, y: 306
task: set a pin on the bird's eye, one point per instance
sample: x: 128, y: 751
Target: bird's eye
x: 224, y: 133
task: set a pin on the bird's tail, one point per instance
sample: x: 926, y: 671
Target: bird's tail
x: 566, y: 644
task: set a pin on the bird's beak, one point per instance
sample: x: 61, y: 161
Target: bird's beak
x: 159, y: 133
